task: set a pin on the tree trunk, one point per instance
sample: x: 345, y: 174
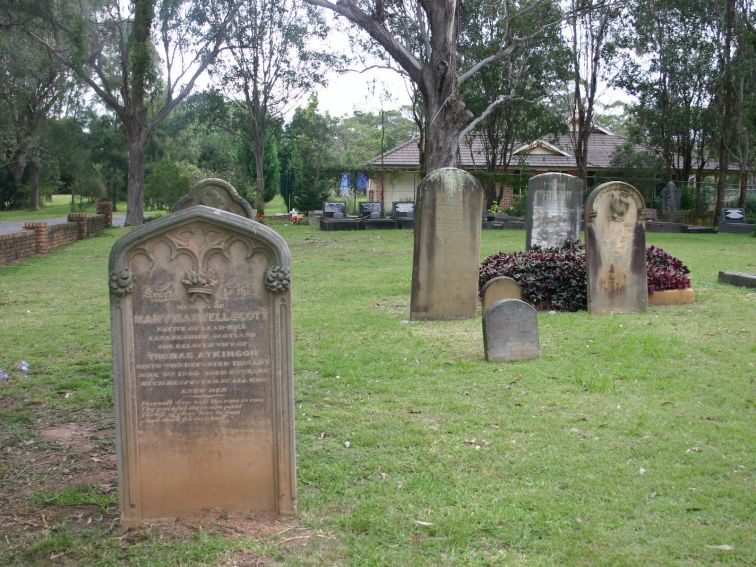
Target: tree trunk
x: 135, y: 142
x: 260, y: 172
x: 743, y: 192
x: 34, y: 195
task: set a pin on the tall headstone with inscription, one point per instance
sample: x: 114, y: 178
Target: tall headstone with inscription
x: 202, y: 362
x: 615, y: 249
x: 218, y: 194
x: 510, y: 331
x: 447, y: 246
x: 554, y: 202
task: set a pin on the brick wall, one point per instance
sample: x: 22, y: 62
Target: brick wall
x: 37, y: 237
x: 60, y: 234
x: 17, y: 246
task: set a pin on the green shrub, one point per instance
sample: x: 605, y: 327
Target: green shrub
x: 555, y: 278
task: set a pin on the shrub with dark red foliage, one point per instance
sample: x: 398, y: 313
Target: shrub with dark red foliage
x: 665, y: 271
x: 550, y: 278
x: 554, y: 278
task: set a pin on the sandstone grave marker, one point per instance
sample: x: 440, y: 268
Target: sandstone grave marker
x: 553, y: 217
x: 202, y: 362
x: 447, y: 246
x: 615, y: 249
x: 218, y: 194
x: 499, y: 288
x: 510, y: 331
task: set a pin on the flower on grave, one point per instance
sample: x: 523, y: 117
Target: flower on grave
x: 24, y: 367
x: 3, y: 375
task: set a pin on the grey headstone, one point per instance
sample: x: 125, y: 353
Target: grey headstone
x: 499, y: 288
x: 369, y: 208
x: 338, y: 215
x: 671, y: 198
x: 733, y: 215
x: 615, y: 248
x: 202, y: 363
x: 403, y: 209
x: 554, y: 202
x: 447, y: 246
x: 510, y: 331
x: 217, y: 194
x: 330, y: 209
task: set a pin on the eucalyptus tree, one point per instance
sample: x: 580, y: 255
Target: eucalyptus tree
x: 422, y: 37
x: 274, y: 59
x: 141, y: 58
x: 529, y: 78
x: 32, y: 84
x: 670, y: 68
x: 589, y: 28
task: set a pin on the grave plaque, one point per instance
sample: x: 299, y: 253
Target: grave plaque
x: 371, y: 209
x: 447, y: 246
x: 554, y: 201
x: 499, y: 288
x: 202, y: 362
x: 403, y: 209
x: 615, y: 249
x: 332, y: 209
x: 510, y: 331
x: 733, y: 215
x: 218, y: 194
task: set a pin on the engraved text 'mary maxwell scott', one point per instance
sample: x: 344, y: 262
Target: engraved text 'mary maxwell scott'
x: 202, y: 361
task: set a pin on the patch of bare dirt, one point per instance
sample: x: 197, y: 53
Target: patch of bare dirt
x: 73, y: 435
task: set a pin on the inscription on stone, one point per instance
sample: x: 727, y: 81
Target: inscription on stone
x: 553, y: 217
x: 403, y: 209
x: 330, y: 210
x: 615, y: 249
x: 202, y: 364
x: 447, y: 246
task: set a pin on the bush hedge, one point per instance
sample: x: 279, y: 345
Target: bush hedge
x: 555, y: 278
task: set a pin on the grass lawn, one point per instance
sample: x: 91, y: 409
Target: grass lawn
x: 630, y: 441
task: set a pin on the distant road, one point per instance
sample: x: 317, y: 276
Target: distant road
x: 15, y: 226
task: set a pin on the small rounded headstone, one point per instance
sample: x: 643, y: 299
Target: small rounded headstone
x: 499, y: 288
x: 510, y: 331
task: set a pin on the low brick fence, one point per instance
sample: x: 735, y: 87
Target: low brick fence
x: 39, y: 238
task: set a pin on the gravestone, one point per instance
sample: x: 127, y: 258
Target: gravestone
x: 734, y: 219
x: 615, y: 249
x: 202, y: 363
x: 217, y: 194
x: 403, y: 209
x: 733, y: 215
x: 371, y: 210
x: 499, y: 288
x: 510, y: 331
x: 447, y: 246
x: 671, y: 198
x: 331, y: 210
x: 554, y: 201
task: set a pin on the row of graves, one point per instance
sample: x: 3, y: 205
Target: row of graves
x: 201, y: 328
x: 333, y: 216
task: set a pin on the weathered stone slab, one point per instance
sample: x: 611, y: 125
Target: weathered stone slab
x: 510, y: 331
x: 217, y: 194
x: 615, y: 248
x: 499, y: 288
x: 447, y: 246
x: 202, y: 362
x: 553, y: 217
x: 744, y: 279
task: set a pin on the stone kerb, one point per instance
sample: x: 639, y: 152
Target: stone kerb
x: 615, y: 249
x: 218, y: 194
x: 202, y: 363
x: 447, y: 246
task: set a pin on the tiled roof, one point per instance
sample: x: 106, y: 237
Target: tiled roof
x: 601, y: 147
